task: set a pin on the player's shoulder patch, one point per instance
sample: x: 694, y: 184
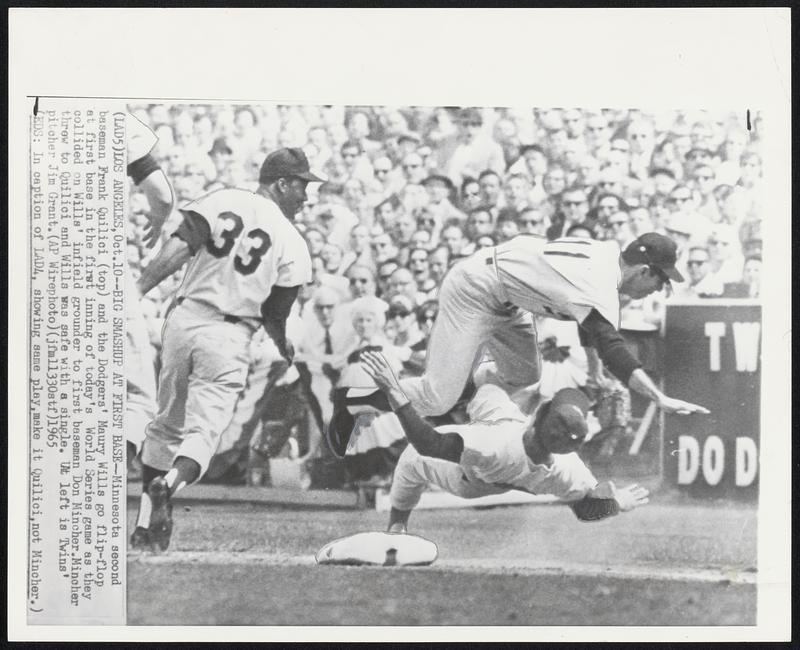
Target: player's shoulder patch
x: 379, y: 549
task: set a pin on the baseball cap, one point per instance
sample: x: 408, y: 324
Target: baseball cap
x: 655, y: 250
x: 566, y: 415
x: 287, y: 162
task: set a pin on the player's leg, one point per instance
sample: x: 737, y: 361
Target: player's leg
x: 220, y: 359
x: 163, y: 434
x: 408, y: 484
x: 514, y: 349
x: 462, y: 325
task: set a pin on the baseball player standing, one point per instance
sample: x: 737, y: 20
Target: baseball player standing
x: 247, y: 264
x: 493, y: 457
x: 488, y: 300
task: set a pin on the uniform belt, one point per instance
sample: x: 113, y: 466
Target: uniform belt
x: 228, y: 318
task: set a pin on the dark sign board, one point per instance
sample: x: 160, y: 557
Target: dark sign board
x: 713, y: 358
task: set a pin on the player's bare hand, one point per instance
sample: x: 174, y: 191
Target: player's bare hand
x: 631, y: 497
x: 672, y: 405
x: 376, y: 366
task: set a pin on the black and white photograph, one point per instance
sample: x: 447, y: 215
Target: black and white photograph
x: 354, y: 361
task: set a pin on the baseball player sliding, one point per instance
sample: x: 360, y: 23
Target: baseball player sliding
x: 491, y: 457
x: 487, y: 301
x: 247, y: 264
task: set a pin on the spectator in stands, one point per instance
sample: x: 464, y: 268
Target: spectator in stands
x: 516, y: 190
x: 378, y: 440
x: 573, y: 208
x: 532, y: 221
x: 453, y: 237
x: 440, y: 190
x: 619, y: 228
x: 359, y: 250
x: 698, y: 284
x: 385, y: 271
x: 419, y: 265
x: 470, y: 195
x: 439, y: 261
x: 472, y: 151
x: 726, y: 256
x: 491, y: 187
x: 506, y: 227
x: 479, y: 222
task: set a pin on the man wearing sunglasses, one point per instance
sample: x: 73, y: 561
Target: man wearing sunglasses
x: 487, y: 303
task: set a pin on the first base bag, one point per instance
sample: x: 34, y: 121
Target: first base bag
x: 379, y: 549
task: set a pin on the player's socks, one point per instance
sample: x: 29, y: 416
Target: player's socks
x: 145, y: 509
x: 145, y: 505
x: 366, y: 397
x: 184, y: 472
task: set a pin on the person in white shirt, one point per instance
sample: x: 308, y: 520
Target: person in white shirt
x: 498, y: 450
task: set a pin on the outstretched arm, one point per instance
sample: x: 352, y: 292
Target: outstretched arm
x: 611, y: 348
x: 606, y: 500
x: 422, y: 436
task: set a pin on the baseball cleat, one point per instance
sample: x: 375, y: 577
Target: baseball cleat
x: 161, y: 518
x: 140, y: 539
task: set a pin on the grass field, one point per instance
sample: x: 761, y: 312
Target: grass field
x: 669, y: 563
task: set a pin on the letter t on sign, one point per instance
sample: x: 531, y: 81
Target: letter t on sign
x: 714, y: 331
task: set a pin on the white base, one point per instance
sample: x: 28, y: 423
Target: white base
x: 378, y: 549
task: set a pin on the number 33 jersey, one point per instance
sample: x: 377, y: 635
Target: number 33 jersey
x: 251, y: 247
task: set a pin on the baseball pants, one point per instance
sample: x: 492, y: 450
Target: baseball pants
x: 474, y: 316
x: 414, y: 473
x: 204, y: 368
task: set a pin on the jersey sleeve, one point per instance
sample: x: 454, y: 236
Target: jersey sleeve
x: 140, y: 139
x: 206, y: 207
x: 294, y: 265
x: 569, y: 479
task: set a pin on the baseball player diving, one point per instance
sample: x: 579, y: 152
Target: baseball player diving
x: 510, y: 452
x: 247, y: 262
x: 487, y: 303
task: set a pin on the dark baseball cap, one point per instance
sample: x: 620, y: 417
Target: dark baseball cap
x: 655, y: 250
x: 285, y: 163
x: 565, y: 417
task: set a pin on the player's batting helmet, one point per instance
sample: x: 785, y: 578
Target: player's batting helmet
x: 561, y: 424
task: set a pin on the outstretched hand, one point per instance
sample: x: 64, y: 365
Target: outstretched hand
x: 632, y: 497
x: 376, y: 366
x: 672, y: 405
x: 628, y: 498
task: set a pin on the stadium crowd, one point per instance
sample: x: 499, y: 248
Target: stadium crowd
x: 413, y: 190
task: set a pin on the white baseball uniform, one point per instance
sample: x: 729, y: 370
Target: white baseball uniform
x: 493, y: 461
x: 252, y: 247
x: 487, y: 301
